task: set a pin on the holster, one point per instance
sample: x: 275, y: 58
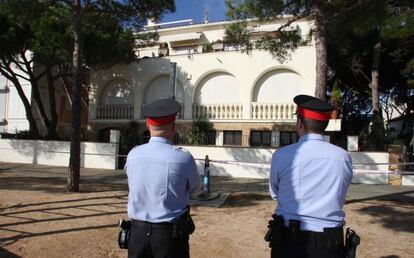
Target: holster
x: 184, y: 225
x: 274, y: 233
x: 125, y: 233
x: 352, y: 240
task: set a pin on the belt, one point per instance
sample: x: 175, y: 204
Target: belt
x: 331, y: 238
x: 139, y: 223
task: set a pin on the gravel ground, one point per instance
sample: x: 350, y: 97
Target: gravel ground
x: 38, y: 219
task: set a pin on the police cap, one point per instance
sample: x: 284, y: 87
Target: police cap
x: 161, y: 112
x: 313, y: 108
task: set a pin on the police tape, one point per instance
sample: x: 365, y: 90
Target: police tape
x: 355, y: 170
x: 267, y: 165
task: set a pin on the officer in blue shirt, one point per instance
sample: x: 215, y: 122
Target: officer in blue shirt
x: 309, y: 180
x: 160, y: 179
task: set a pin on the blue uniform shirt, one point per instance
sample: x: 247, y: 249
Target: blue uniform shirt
x: 160, y: 179
x: 310, y: 179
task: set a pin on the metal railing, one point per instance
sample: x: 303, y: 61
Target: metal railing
x: 115, y: 112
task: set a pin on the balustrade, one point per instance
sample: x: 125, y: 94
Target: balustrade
x: 260, y: 111
x: 268, y: 111
x: 217, y: 111
x: 115, y: 112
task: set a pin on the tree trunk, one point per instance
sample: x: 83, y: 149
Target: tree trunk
x: 34, y: 131
x: 378, y: 130
x: 321, y: 52
x: 74, y: 160
x: 376, y: 59
x: 39, y: 102
x: 51, y: 129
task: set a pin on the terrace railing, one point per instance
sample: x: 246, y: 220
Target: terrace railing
x: 115, y: 112
x: 273, y: 111
x: 217, y: 111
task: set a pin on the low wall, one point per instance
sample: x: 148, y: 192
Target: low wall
x: 234, y: 162
x: 367, y: 172
x: 56, y: 153
x: 242, y: 155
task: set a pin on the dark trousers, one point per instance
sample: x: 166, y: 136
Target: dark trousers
x: 154, y: 240
x: 308, y: 244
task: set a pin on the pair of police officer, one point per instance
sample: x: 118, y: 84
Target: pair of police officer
x: 309, y: 179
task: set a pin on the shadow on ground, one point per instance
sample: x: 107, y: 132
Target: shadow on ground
x: 27, y: 220
x: 245, y: 199
x: 58, y: 184
x: 391, y: 215
x: 6, y: 254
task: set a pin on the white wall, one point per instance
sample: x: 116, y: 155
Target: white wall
x: 233, y: 162
x: 407, y: 180
x: 366, y: 171
x: 255, y: 163
x: 261, y: 158
x: 56, y: 153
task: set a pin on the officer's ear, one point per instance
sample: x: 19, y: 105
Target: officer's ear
x: 299, y: 123
x: 146, y: 125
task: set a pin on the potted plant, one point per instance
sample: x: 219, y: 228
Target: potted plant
x: 163, y: 51
x: 218, y: 45
x: 207, y: 48
x: 336, y: 98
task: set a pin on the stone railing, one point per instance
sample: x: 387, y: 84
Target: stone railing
x: 217, y: 111
x: 273, y: 111
x: 115, y: 112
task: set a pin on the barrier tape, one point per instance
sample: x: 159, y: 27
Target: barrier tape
x: 355, y: 170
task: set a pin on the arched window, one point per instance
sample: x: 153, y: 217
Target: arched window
x: 219, y: 87
x: 278, y: 86
x: 159, y: 88
x: 118, y: 92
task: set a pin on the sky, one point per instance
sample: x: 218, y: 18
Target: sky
x: 193, y: 9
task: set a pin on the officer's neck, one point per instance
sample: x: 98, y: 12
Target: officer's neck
x: 165, y: 135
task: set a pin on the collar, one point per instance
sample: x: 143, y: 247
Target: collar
x: 310, y: 137
x: 159, y: 140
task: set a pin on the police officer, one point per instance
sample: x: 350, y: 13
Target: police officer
x: 160, y: 179
x: 309, y: 180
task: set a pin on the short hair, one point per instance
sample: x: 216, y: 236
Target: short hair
x: 159, y: 128
x: 313, y: 126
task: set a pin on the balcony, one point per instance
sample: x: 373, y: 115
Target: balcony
x: 234, y: 111
x: 115, y: 112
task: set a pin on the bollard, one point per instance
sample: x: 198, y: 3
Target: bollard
x: 206, y: 180
x: 206, y: 195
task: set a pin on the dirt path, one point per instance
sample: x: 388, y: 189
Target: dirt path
x: 38, y: 219
x: 56, y: 224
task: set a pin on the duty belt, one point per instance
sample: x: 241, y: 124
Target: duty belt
x: 330, y: 238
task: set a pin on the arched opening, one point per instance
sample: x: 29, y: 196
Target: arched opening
x: 116, y: 101
x: 218, y: 96
x: 278, y: 86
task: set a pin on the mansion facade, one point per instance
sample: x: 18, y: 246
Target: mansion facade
x: 248, y: 98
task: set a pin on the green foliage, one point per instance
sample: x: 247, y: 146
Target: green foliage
x: 207, y: 48
x: 280, y: 43
x: 129, y: 137
x: 198, y: 133
x: 372, y: 138
x: 336, y: 95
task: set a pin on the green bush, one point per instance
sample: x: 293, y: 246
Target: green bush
x: 198, y: 133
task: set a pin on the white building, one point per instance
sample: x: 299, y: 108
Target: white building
x: 247, y: 97
x: 12, y: 112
